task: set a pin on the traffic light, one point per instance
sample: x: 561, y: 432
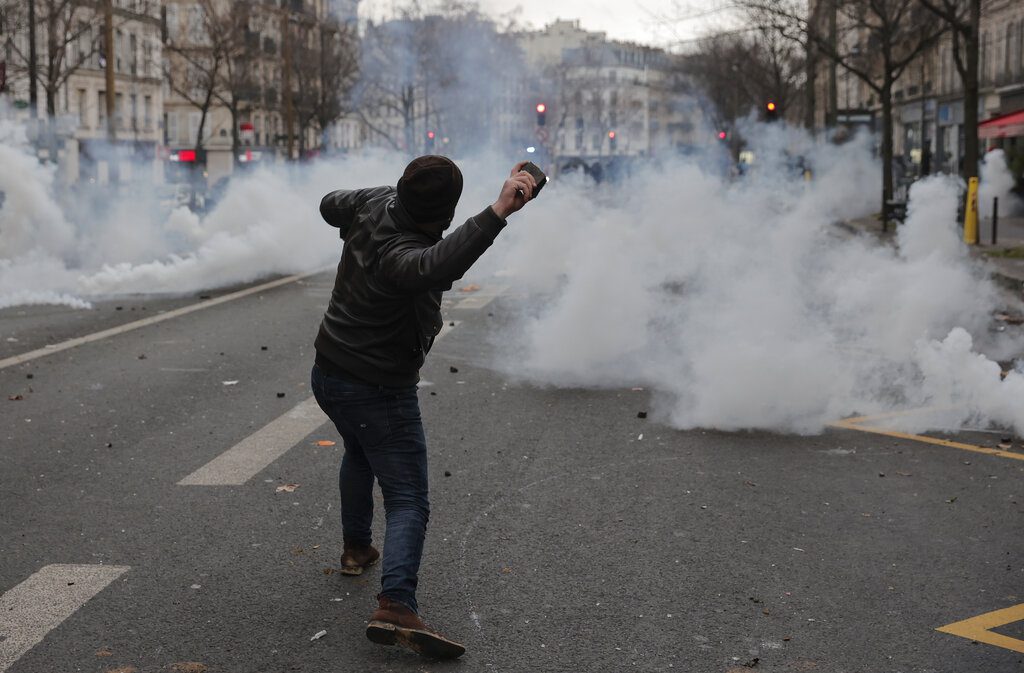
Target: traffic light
x: 542, y: 113
x: 722, y: 135
x: 771, y: 111
x: 611, y: 140
x: 430, y: 140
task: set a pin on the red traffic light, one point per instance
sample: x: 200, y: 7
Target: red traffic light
x: 722, y: 135
x: 611, y: 135
x: 430, y: 134
x: 187, y: 155
x: 541, y: 108
x: 770, y: 106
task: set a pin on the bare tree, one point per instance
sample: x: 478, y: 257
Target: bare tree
x: 236, y: 88
x: 877, y: 41
x: 325, y: 67
x: 195, y: 58
x: 963, y: 17
x: 70, y: 41
x: 738, y: 72
x: 441, y: 70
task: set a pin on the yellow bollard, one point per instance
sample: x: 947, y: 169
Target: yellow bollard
x: 971, y: 213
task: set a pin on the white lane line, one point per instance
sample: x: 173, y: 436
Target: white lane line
x: 482, y: 298
x: 39, y: 604
x: 253, y: 454
x: 145, y: 322
x: 250, y: 456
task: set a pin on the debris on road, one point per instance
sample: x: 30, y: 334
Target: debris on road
x: 1010, y: 319
x: 447, y: 473
x: 30, y: 376
x: 318, y: 635
x: 104, y: 652
x: 263, y: 348
x: 230, y: 383
x: 636, y: 389
x: 641, y: 414
x: 188, y: 667
x: 472, y: 287
x: 142, y: 356
x: 453, y: 370
x: 325, y: 442
x: 280, y: 395
x: 287, y: 488
x: 640, y: 437
x: 15, y: 398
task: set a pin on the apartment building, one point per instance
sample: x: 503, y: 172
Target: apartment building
x: 74, y: 85
x: 928, y: 113
x: 606, y: 98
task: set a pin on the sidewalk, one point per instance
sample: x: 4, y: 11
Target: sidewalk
x: 1005, y: 260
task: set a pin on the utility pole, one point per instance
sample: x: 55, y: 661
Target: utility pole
x: 33, y: 73
x: 926, y: 155
x: 286, y: 81
x: 108, y: 41
x: 833, y: 87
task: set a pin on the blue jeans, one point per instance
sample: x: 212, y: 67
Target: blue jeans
x: 383, y: 435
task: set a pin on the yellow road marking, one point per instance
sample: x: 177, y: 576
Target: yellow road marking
x: 860, y: 423
x: 980, y: 628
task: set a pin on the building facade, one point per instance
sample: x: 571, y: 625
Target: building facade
x: 73, y: 83
x: 606, y: 99
x: 928, y: 114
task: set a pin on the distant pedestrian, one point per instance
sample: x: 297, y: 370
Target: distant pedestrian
x: 384, y: 314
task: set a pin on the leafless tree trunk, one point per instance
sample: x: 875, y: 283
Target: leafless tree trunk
x: 964, y: 18
x: 896, y: 33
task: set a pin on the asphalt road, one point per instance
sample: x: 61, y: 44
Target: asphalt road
x: 561, y: 541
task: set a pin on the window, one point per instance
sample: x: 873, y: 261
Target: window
x: 147, y: 113
x: 171, y: 128
x: 135, y: 111
x: 118, y: 51
x: 171, y: 21
x: 119, y: 110
x: 83, y: 108
x: 101, y: 105
x: 133, y: 54
x: 147, y: 58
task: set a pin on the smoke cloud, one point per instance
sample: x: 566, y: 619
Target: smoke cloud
x: 737, y: 301
x: 742, y: 304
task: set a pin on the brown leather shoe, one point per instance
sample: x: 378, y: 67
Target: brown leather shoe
x: 356, y: 559
x: 394, y: 624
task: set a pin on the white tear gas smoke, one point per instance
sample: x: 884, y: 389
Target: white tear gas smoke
x: 743, y: 305
x: 737, y: 301
x: 64, y: 246
x: 996, y: 181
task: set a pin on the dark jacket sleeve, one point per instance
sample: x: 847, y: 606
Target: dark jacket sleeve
x: 339, y: 208
x: 414, y: 268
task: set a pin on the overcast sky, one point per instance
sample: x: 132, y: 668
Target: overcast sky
x: 659, y: 22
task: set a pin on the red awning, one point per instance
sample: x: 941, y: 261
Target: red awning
x: 1006, y: 126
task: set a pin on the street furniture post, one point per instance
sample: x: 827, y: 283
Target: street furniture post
x: 995, y: 218
x: 971, y: 213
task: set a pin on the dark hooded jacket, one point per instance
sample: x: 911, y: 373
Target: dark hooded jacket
x: 385, y: 309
